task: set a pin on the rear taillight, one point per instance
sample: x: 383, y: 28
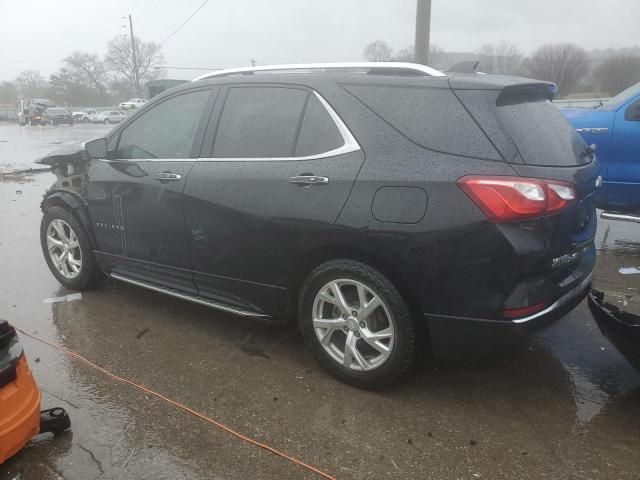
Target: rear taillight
x: 506, y: 199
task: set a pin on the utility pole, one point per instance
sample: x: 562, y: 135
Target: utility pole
x: 423, y: 31
x: 135, y: 58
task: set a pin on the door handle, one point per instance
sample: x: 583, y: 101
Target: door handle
x: 168, y: 177
x: 308, y: 180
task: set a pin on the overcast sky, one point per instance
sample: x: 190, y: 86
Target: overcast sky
x: 38, y: 34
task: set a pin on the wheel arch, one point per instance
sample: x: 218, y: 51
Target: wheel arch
x: 326, y: 253
x: 75, y: 204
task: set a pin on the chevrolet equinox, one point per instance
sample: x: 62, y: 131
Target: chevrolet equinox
x: 387, y: 207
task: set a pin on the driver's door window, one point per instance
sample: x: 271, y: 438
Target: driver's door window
x: 166, y: 131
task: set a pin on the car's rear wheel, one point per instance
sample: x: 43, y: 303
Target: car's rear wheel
x: 357, y: 324
x: 106, y: 121
x: 67, y: 250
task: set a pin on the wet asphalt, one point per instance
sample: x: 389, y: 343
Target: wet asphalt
x: 563, y: 405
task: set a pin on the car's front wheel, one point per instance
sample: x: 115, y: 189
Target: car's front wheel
x: 67, y: 250
x: 357, y: 324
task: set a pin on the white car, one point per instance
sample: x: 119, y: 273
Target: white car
x: 84, y: 115
x: 133, y: 103
x: 108, y: 116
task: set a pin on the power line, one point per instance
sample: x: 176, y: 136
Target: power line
x: 76, y: 42
x: 185, y: 22
x: 56, y: 37
x: 133, y: 5
x: 145, y: 10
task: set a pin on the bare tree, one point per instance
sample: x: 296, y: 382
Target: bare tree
x: 125, y: 70
x: 620, y: 70
x: 378, y: 51
x: 8, y: 92
x: 408, y: 54
x: 502, y: 58
x: 31, y: 84
x: 565, y: 64
x: 87, y: 70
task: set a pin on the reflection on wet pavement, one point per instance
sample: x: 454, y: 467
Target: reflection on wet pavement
x: 563, y: 405
x: 618, y: 245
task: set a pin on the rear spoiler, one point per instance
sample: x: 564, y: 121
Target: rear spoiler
x: 526, y: 93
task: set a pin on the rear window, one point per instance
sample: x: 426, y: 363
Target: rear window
x: 318, y: 132
x: 260, y: 122
x: 541, y: 134
x: 430, y: 117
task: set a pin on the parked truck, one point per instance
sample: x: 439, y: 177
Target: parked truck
x: 30, y: 110
x: 614, y: 127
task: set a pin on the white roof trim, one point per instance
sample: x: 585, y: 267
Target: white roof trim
x: 415, y: 67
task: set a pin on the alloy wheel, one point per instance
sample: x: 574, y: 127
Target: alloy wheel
x: 64, y: 248
x: 353, y: 324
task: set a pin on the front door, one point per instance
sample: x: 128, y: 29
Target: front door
x: 624, y: 158
x: 136, y: 195
x: 280, y: 170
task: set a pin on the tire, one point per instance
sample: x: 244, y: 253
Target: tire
x: 391, y: 321
x: 88, y: 275
x: 106, y: 121
x: 86, y: 120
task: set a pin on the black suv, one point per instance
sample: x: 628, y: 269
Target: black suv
x: 387, y: 207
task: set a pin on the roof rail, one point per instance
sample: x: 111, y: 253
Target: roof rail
x: 375, y: 68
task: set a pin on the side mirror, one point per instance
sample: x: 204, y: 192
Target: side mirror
x: 96, y: 148
x: 632, y: 113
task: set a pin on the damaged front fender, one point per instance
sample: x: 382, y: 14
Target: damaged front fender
x: 70, y: 190
x: 620, y: 327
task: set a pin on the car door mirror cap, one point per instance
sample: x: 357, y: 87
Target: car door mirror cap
x: 96, y: 148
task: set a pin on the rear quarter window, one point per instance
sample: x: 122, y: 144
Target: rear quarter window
x: 429, y: 117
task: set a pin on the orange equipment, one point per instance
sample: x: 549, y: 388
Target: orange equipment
x: 20, y: 415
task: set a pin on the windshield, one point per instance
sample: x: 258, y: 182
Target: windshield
x: 622, y: 97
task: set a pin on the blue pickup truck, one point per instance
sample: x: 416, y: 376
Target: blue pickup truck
x: 615, y: 129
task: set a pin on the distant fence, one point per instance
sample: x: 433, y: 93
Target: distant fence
x: 579, y: 102
x: 8, y: 113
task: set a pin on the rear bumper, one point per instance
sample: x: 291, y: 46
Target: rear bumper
x: 19, y: 411
x: 462, y: 337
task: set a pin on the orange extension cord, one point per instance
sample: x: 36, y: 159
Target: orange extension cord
x: 180, y: 406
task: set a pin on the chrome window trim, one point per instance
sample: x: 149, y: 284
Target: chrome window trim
x: 301, y: 67
x: 350, y: 145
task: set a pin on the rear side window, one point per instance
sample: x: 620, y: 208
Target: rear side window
x: 432, y: 118
x: 541, y: 134
x: 168, y: 130
x: 318, y: 132
x: 260, y: 122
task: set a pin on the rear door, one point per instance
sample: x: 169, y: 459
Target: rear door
x: 274, y: 180
x: 136, y: 196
